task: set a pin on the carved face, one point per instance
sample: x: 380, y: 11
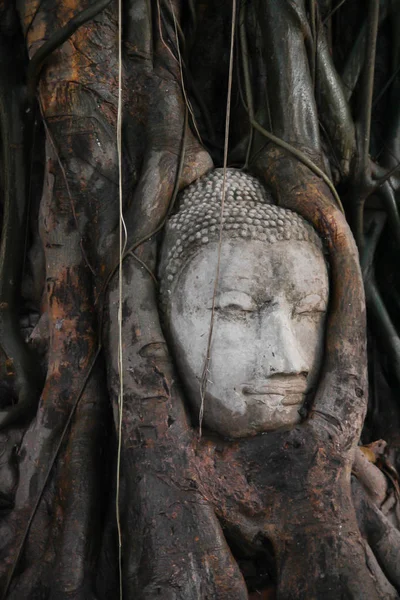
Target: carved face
x: 268, y: 333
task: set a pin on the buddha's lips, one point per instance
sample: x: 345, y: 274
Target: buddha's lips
x: 277, y: 388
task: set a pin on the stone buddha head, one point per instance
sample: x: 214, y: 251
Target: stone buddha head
x: 270, y: 304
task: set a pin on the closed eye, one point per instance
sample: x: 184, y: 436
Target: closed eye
x: 311, y: 304
x: 233, y: 307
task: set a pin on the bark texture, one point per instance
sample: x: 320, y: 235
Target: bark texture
x: 274, y: 516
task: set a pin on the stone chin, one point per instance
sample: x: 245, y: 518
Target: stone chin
x: 260, y: 415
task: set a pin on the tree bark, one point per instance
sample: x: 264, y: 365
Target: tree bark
x: 192, y: 511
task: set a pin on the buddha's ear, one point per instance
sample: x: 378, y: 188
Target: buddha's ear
x: 197, y: 161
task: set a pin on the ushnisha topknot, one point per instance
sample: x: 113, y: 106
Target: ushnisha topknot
x: 249, y: 213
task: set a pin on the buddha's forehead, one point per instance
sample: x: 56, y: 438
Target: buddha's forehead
x: 257, y: 268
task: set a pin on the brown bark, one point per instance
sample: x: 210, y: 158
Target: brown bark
x: 190, y: 509
x: 79, y: 179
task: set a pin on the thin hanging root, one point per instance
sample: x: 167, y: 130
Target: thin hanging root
x: 122, y: 248
x: 204, y: 377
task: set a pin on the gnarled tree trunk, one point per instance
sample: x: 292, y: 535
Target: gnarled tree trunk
x: 279, y: 515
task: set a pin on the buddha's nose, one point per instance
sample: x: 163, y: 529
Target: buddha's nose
x: 285, y: 354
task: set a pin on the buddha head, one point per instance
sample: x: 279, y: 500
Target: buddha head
x: 270, y: 304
